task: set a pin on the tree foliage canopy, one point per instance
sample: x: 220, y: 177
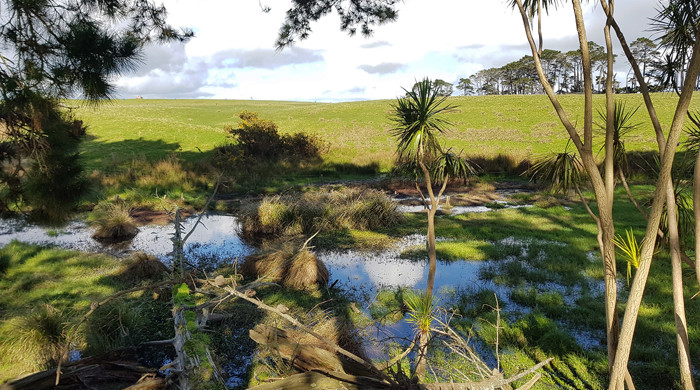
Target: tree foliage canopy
x: 354, y: 14
x: 53, y: 50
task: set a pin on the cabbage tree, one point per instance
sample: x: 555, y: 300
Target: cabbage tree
x: 419, y: 122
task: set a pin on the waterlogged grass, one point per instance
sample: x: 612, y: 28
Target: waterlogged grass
x: 549, y: 260
x: 455, y: 250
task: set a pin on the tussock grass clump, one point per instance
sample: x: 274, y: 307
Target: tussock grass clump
x: 40, y: 337
x: 113, y: 222
x: 296, y: 270
x: 118, y: 324
x: 347, y: 208
x: 141, y: 266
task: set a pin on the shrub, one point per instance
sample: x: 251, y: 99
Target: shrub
x: 258, y: 141
x: 54, y: 181
x: 113, y: 222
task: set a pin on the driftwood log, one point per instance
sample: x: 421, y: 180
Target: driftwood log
x: 117, y: 369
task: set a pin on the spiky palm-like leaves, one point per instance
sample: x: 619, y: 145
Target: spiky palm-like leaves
x: 418, y: 122
x: 678, y: 24
x: 622, y: 125
x: 450, y: 164
x: 531, y: 6
x: 684, y: 202
x: 421, y: 310
x: 692, y: 143
x: 630, y: 250
x: 560, y: 171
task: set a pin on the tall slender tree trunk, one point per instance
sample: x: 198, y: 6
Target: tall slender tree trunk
x: 432, y: 252
x: 696, y: 212
x: 642, y: 274
x: 430, y: 241
x: 421, y: 365
x: 539, y: 26
x: 683, y: 344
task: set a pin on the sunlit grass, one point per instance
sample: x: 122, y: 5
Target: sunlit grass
x: 44, y: 290
x: 358, y: 131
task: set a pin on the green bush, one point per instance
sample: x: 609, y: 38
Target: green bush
x: 54, y: 182
x: 258, y: 141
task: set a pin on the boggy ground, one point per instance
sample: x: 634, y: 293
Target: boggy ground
x: 543, y: 260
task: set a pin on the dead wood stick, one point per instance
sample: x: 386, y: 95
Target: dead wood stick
x: 295, y: 322
x: 204, y: 211
x: 531, y: 382
x: 385, y: 366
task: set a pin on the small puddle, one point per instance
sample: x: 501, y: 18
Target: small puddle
x: 372, y: 271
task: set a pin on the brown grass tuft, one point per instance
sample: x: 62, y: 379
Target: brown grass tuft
x: 141, y: 266
x: 113, y: 222
x: 296, y: 270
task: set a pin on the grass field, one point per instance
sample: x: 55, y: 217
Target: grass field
x: 359, y: 132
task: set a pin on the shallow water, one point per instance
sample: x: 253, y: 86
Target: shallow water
x: 361, y: 273
x: 217, y: 237
x: 372, y: 271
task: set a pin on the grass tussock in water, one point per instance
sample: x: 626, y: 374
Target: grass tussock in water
x: 113, y: 222
x: 324, y: 210
x: 293, y: 269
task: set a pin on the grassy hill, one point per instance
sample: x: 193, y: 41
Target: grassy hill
x: 358, y: 132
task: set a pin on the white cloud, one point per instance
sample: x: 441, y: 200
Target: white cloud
x: 233, y: 56
x: 383, y: 68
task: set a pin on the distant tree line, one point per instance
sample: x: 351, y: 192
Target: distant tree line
x: 564, y: 72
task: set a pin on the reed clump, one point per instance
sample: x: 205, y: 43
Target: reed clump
x: 323, y: 210
x: 295, y: 269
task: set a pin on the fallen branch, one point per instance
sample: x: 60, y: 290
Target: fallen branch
x: 96, y: 305
x: 281, y: 311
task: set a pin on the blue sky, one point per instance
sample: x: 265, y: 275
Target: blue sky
x: 232, y: 55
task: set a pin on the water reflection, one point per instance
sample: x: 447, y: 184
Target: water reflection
x: 377, y: 270
x: 217, y: 237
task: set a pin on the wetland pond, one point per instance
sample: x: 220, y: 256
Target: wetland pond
x: 362, y: 274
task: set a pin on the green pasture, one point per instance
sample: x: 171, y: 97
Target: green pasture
x: 358, y: 132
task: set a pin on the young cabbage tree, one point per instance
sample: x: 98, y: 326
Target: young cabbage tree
x: 620, y: 340
x: 419, y: 123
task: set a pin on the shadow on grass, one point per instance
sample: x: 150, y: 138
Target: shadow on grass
x: 109, y: 156
x: 129, y: 160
